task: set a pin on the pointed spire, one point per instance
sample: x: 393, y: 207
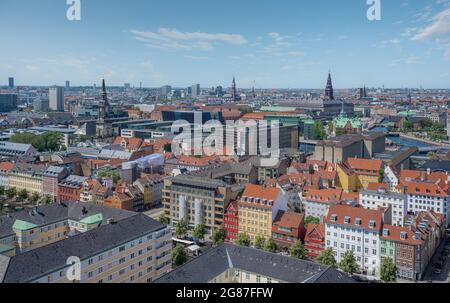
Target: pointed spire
x: 329, y: 94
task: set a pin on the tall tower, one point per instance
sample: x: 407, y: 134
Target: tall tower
x: 233, y: 90
x: 329, y: 93
x: 104, y: 105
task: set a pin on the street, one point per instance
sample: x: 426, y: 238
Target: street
x: 444, y: 276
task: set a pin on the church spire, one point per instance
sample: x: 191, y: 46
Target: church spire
x: 329, y: 93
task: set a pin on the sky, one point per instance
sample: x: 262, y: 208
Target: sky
x: 264, y: 43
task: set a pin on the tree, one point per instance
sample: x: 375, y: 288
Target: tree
x: 388, y: 270
x: 327, y: 258
x: 381, y: 176
x: 219, y: 235
x: 163, y: 219
x: 271, y: 246
x: 199, y: 231
x: 11, y: 192
x: 168, y: 147
x: 311, y: 220
x: 179, y: 256
x: 34, y: 198
x: 348, y: 263
x: 48, y: 141
x: 23, y: 194
x: 47, y: 199
x: 181, y: 229
x: 299, y: 251
x: 259, y: 242
x: 319, y: 130
x: 243, y: 240
x: 2, y: 191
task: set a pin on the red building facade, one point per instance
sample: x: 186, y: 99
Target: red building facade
x: 231, y: 222
x: 288, y: 228
x: 315, y: 239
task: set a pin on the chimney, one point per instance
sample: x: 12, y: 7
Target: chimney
x: 110, y: 221
x: 429, y: 171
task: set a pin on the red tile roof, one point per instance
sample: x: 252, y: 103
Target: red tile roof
x: 289, y: 219
x: 364, y: 164
x: 341, y: 212
x: 261, y: 192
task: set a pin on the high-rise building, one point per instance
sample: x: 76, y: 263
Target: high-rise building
x: 67, y: 84
x: 127, y: 86
x: 196, y: 90
x: 234, y: 95
x: 40, y: 105
x: 56, y: 98
x: 8, y: 102
x: 11, y: 82
x: 329, y: 93
x: 166, y: 90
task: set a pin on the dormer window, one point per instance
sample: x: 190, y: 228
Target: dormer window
x: 358, y: 221
x: 386, y: 232
x: 372, y: 224
x: 347, y: 220
x: 334, y: 218
x: 403, y: 235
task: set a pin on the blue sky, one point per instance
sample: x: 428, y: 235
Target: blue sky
x: 265, y: 43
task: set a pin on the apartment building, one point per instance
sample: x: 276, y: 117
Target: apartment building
x: 288, y: 228
x: 113, y: 246
x: 151, y: 187
x: 422, y: 196
x: 197, y: 200
x: 27, y: 176
x: 5, y: 168
x: 315, y: 239
x: 374, y: 199
x: 356, y: 174
x: 50, y: 179
x: 316, y: 202
x: 258, y: 208
x: 70, y: 188
x: 412, y: 247
x: 231, y: 221
x: 358, y: 230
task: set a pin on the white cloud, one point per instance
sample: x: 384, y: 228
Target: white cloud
x: 166, y: 38
x: 440, y: 25
x: 296, y: 53
x: 32, y: 68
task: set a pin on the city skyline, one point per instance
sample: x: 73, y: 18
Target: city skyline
x: 265, y: 45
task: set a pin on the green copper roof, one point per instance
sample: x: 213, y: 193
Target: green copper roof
x: 277, y: 109
x: 308, y: 122
x: 23, y: 225
x: 407, y: 113
x: 341, y: 122
x: 92, y: 219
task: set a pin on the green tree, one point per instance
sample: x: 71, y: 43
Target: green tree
x: 2, y: 191
x: 381, y: 176
x: 271, y: 246
x: 299, y: 251
x: 22, y: 194
x: 199, y: 231
x: 311, y: 220
x: 327, y: 258
x: 113, y: 174
x: 48, y: 141
x: 388, y: 271
x: 259, y: 242
x: 219, y: 235
x: 181, y: 229
x: 34, y: 198
x: 168, y: 147
x: 348, y: 263
x: 11, y: 192
x: 243, y: 240
x: 319, y: 130
x: 179, y: 256
x: 47, y: 199
x: 163, y: 219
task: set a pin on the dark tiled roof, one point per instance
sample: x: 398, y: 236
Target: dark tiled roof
x: 48, y: 214
x: 216, y: 261
x: 40, y: 262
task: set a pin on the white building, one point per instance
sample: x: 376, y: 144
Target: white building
x: 358, y: 230
x: 374, y: 199
x: 390, y: 177
x: 422, y: 196
x: 56, y: 98
x: 317, y: 202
